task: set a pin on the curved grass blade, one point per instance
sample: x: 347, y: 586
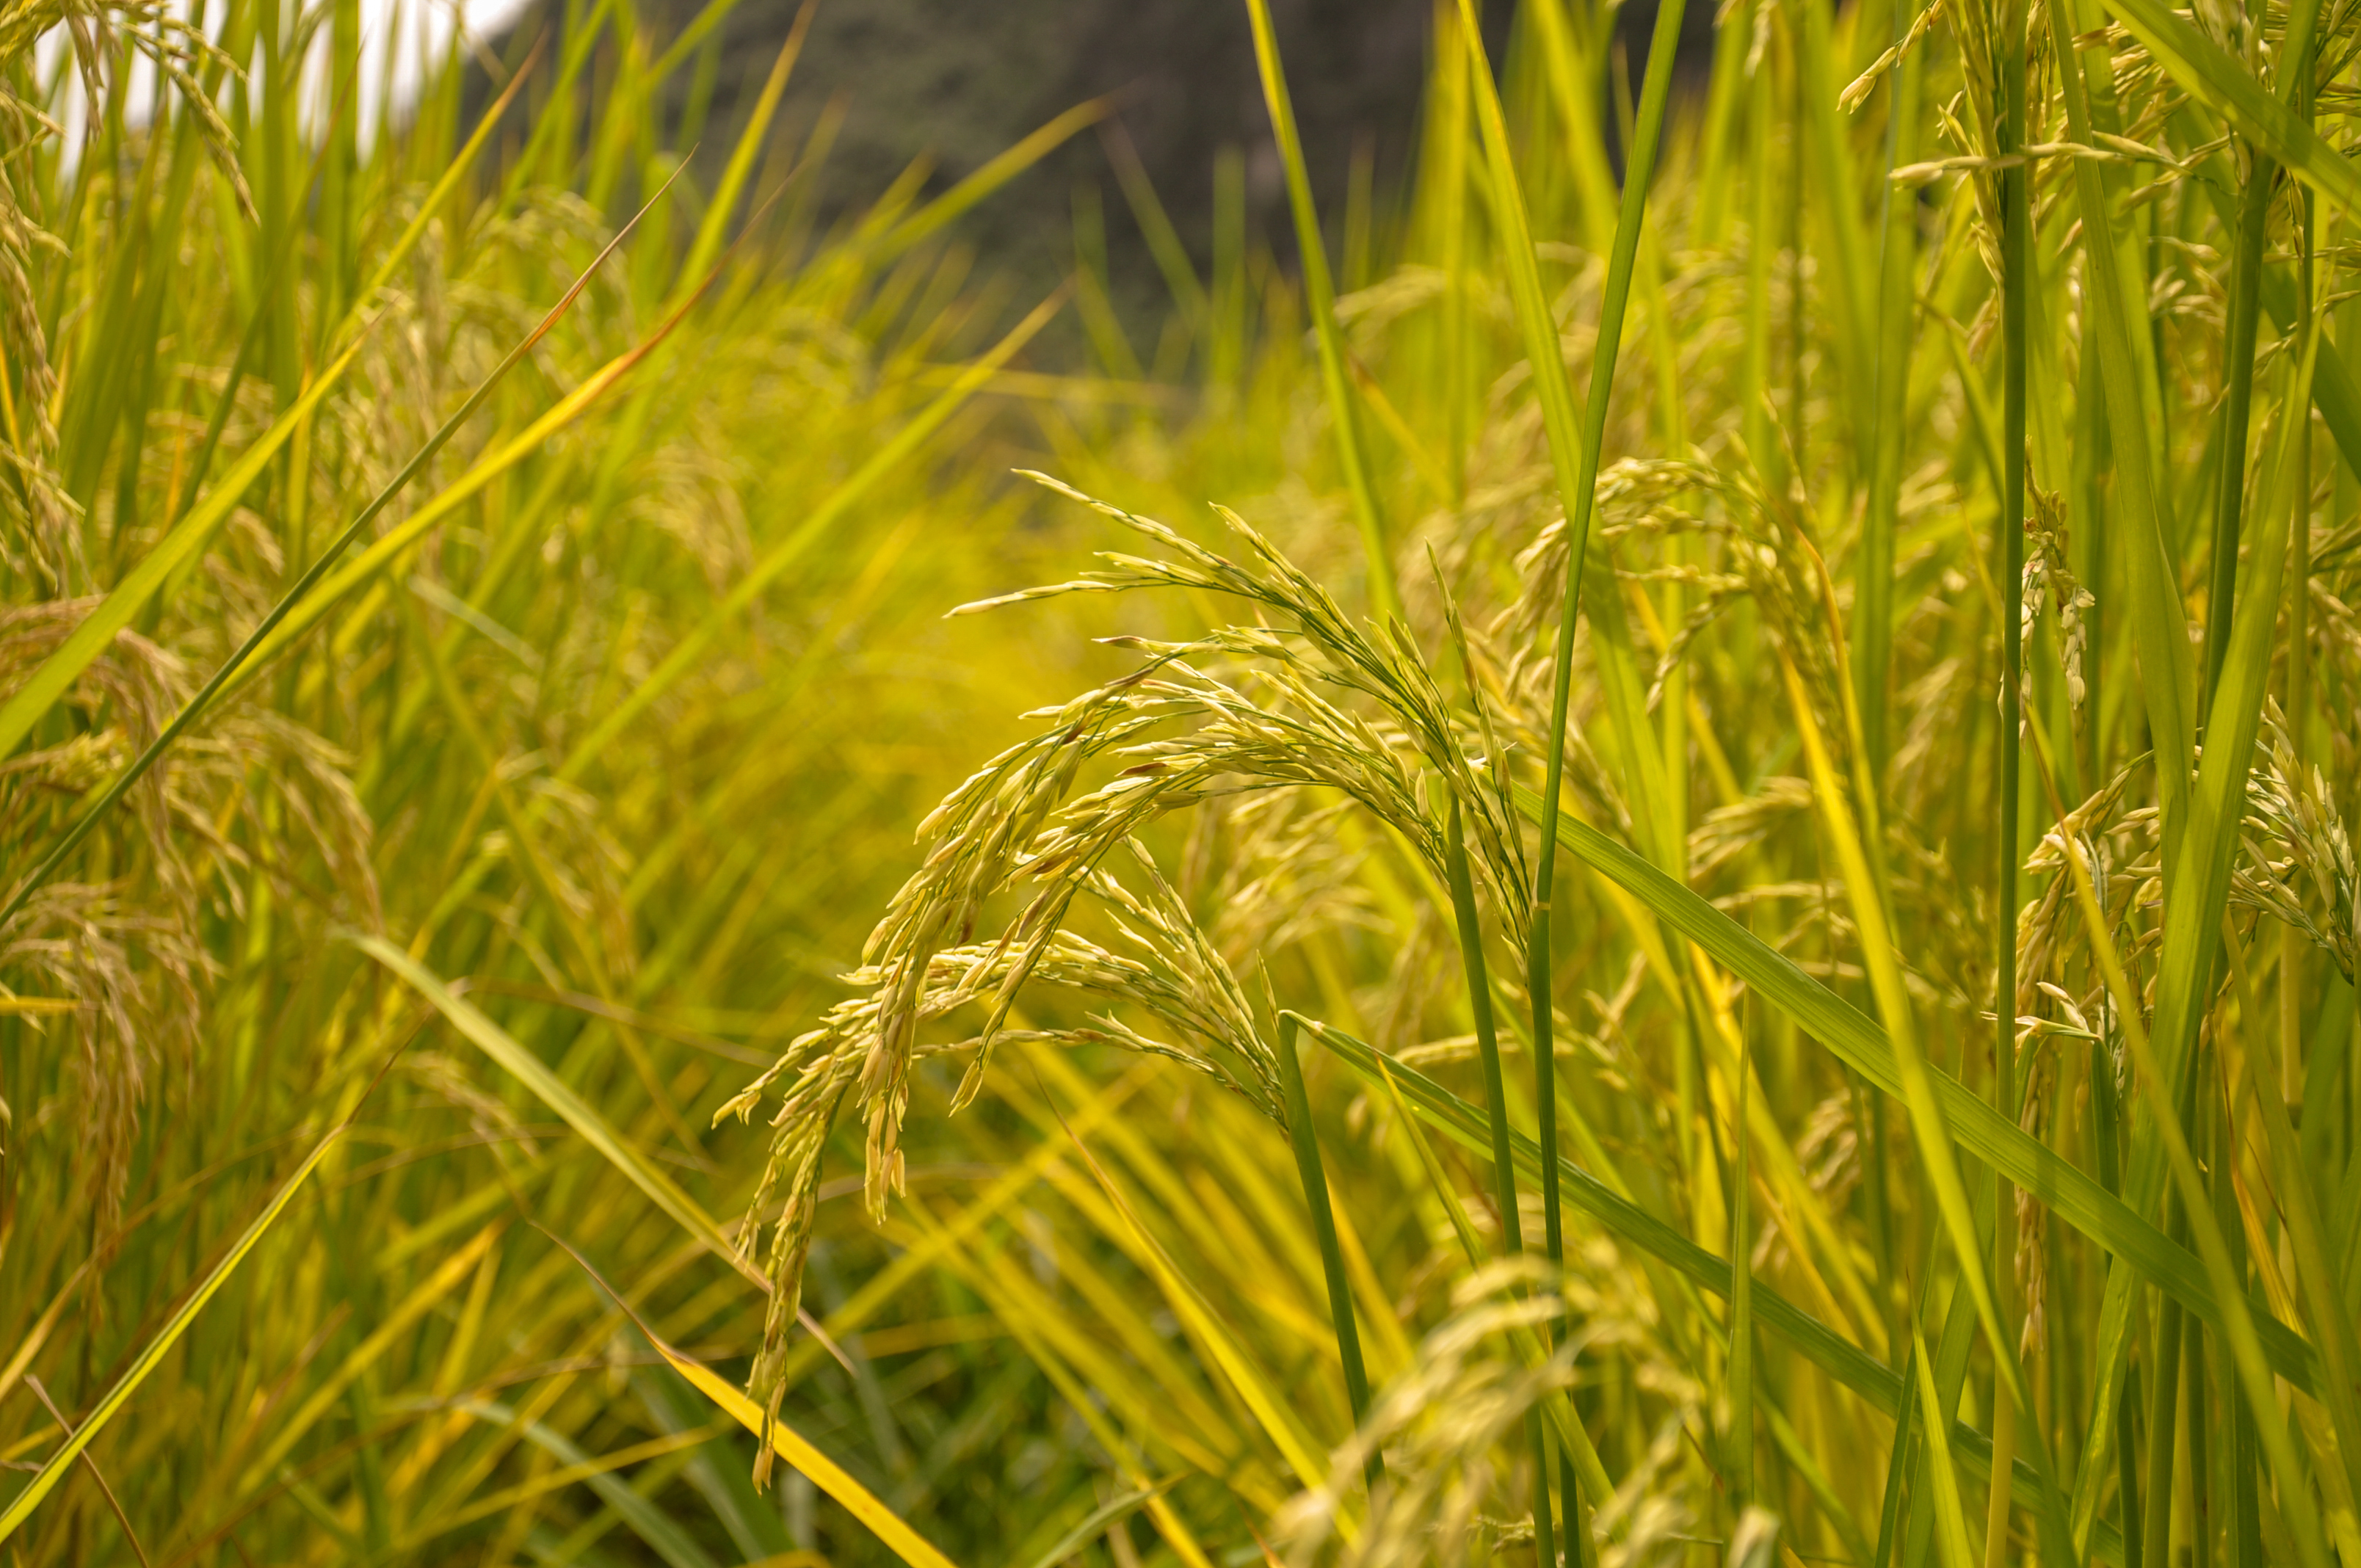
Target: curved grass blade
x: 554, y: 1092
x: 2159, y: 618
x: 741, y: 168
x: 1488, y: 1048
x: 1950, y: 1519
x: 1107, y: 1515
x: 665, y: 1538
x: 113, y: 1503
x: 2240, y: 1329
x: 1573, y: 457
x: 2192, y: 920
x: 449, y: 180
x: 307, y: 613
x: 1268, y: 1403
x: 2210, y: 74
x: 781, y: 1439
x: 448, y: 1276
x: 1558, y: 1411
x: 947, y: 208
x: 577, y: 1468
x: 1866, y: 896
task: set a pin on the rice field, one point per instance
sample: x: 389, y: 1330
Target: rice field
x: 1632, y: 852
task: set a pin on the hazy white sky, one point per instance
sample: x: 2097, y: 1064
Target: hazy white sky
x: 403, y: 33
x: 418, y: 30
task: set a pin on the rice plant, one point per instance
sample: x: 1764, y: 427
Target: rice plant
x: 1886, y: 556
x: 1680, y: 889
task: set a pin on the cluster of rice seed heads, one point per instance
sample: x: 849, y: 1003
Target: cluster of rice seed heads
x: 125, y: 949
x: 2048, y: 577
x: 2293, y: 827
x: 44, y: 519
x: 1444, y: 1423
x: 1312, y: 701
x: 1445, y: 1420
x: 1767, y: 558
x: 2119, y: 849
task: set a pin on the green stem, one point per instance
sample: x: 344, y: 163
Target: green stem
x: 1324, y: 1225
x: 2106, y: 1125
x: 1872, y: 628
x: 1487, y: 1040
x: 2016, y: 223
x: 2163, y: 1410
x: 1741, y: 1310
x: 1901, y: 1459
x: 1577, y: 494
x: 1504, y: 1170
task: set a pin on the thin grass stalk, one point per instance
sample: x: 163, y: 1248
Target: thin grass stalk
x: 1320, y: 301
x: 2159, y: 634
x: 1949, y: 1369
x: 1927, y: 1119
x: 2217, y: 802
x: 1756, y: 415
x: 2016, y: 225
x: 2106, y: 1122
x: 1873, y: 628
x: 1577, y: 471
x: 2163, y: 1412
x: 249, y: 345
x: 1949, y: 1516
x: 1798, y: 204
x: 2159, y: 621
x: 1504, y: 1170
x: 2203, y: 1440
x: 2294, y: 951
x: 1742, y: 1306
x: 2334, y: 1330
x: 2242, y: 1495
x: 1308, y: 1166
x: 20, y: 1507
x: 1901, y: 1459
x: 2316, y: 1273
x: 1451, y: 96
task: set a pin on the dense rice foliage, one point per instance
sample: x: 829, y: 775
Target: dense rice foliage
x: 489, y: 1037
